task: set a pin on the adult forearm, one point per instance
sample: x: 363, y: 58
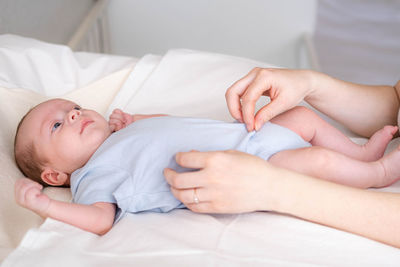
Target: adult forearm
x: 234, y: 182
x: 362, y: 108
x: 375, y: 215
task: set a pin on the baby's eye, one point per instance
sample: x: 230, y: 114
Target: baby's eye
x: 55, y: 126
x: 77, y: 108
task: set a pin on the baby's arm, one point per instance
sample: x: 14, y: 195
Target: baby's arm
x: 97, y: 218
x: 119, y: 119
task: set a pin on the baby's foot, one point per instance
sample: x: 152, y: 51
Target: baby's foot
x: 376, y: 145
x: 391, y: 165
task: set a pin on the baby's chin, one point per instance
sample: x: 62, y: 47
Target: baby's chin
x: 81, y: 153
x: 96, y: 141
x: 81, y: 158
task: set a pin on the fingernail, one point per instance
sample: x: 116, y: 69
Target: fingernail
x: 248, y: 126
x: 177, y: 155
x: 258, y: 124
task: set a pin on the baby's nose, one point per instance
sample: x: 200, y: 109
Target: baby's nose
x: 74, y: 114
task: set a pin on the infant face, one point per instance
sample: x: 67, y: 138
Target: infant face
x: 64, y: 134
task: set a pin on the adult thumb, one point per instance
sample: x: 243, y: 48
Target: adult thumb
x: 268, y: 112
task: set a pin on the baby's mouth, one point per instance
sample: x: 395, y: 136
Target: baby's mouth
x: 84, y: 124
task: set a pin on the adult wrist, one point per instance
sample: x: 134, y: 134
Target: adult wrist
x: 313, y: 83
x: 318, y: 83
x: 272, y: 189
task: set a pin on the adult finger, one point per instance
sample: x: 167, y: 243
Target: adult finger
x: 187, y: 196
x: 183, y: 180
x: 255, y: 90
x: 192, y: 159
x: 269, y: 111
x: 202, y: 207
x: 235, y: 91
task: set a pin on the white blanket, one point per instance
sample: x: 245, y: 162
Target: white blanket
x: 193, y: 83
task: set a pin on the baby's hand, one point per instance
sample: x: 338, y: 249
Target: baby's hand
x: 119, y: 120
x: 29, y: 194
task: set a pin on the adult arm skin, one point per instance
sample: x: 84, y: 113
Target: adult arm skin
x: 235, y: 182
x: 375, y: 215
x: 362, y: 108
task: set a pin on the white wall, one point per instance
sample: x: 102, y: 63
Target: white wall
x: 359, y: 40
x: 260, y: 29
x: 47, y: 20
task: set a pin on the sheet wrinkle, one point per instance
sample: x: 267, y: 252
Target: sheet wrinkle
x: 33, y: 240
x: 233, y: 259
x: 224, y: 232
x: 134, y: 82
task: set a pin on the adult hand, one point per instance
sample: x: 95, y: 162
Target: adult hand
x: 226, y: 182
x: 286, y: 88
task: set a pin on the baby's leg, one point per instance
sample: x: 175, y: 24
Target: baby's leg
x: 391, y: 165
x: 318, y: 132
x: 336, y: 167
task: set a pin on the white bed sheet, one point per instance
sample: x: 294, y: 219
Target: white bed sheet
x: 193, y: 83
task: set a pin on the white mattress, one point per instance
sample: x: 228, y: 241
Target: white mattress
x: 182, y: 82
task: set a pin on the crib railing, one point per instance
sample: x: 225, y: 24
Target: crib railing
x: 92, y: 34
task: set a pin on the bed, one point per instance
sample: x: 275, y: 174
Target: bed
x: 181, y: 82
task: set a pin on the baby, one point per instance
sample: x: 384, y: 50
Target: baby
x: 113, y: 168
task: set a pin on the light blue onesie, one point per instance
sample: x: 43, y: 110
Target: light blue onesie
x: 127, y: 169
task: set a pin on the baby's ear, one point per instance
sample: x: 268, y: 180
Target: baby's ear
x: 53, y: 177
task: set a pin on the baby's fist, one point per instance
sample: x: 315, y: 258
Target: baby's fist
x: 29, y: 194
x: 119, y: 120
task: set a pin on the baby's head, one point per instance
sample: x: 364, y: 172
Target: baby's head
x: 56, y: 138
